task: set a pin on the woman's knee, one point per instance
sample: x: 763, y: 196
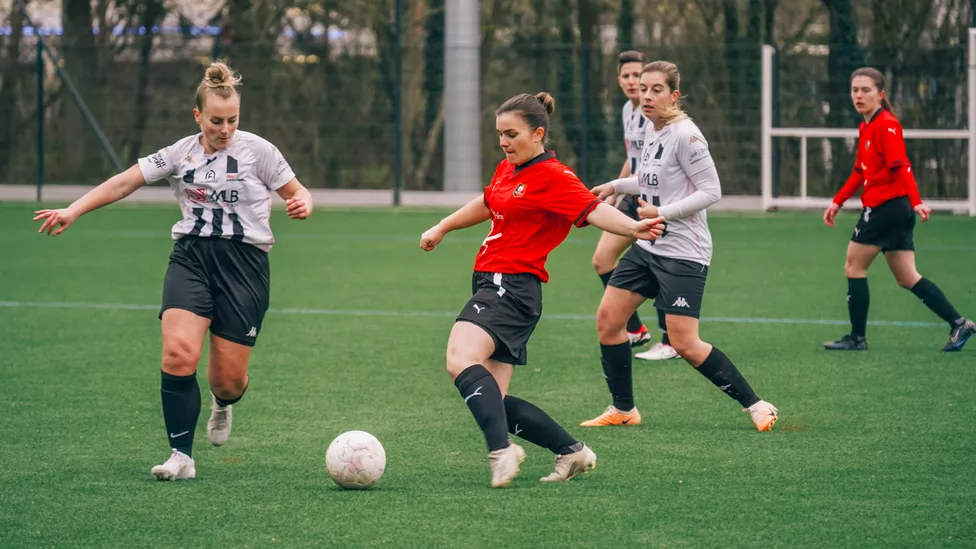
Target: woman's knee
x: 459, y: 358
x: 180, y: 356
x: 603, y: 262
x: 609, y: 322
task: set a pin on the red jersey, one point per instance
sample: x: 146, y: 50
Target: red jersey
x: 533, y: 207
x: 882, y: 165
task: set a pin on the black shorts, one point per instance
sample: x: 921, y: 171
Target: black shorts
x: 677, y: 286
x: 508, y: 307
x: 228, y: 282
x: 628, y: 205
x: 890, y: 226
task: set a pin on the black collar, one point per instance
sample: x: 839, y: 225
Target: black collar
x: 541, y: 158
x: 876, y: 114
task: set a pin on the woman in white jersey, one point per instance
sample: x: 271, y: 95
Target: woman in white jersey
x: 218, y: 277
x: 676, y: 179
x: 610, y: 246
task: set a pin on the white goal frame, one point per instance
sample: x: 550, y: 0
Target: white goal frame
x: 804, y: 201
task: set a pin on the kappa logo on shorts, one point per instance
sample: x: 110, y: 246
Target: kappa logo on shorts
x: 253, y: 332
x: 680, y: 302
x: 519, y: 190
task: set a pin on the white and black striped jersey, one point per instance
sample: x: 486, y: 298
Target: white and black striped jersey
x: 226, y: 194
x: 634, y: 129
x: 671, y: 157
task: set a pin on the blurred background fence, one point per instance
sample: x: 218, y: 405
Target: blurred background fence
x: 320, y: 81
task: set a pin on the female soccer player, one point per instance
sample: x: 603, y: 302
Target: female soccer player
x: 610, y: 246
x: 218, y: 277
x: 676, y: 180
x: 532, y: 201
x: 887, y: 223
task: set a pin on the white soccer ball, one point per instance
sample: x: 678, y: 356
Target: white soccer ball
x: 355, y: 460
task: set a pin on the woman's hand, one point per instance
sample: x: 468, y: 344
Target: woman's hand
x: 431, y: 238
x: 55, y: 220
x: 830, y: 213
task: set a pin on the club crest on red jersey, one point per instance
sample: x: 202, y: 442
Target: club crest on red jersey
x: 519, y: 190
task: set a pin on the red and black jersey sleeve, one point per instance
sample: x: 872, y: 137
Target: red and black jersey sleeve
x: 566, y: 196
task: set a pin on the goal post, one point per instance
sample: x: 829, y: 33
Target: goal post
x: 803, y: 200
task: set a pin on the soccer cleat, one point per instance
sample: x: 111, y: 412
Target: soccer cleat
x: 179, y: 466
x: 640, y: 337
x: 570, y: 466
x: 849, y: 342
x: 658, y: 351
x: 613, y: 416
x: 959, y: 336
x: 218, y: 426
x: 505, y: 464
x: 764, y: 415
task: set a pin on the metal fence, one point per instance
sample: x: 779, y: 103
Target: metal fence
x: 328, y: 104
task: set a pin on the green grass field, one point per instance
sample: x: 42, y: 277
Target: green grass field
x: 873, y: 449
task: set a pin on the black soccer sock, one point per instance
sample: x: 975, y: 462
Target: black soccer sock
x: 617, y: 361
x: 483, y: 397
x: 858, y: 301
x: 634, y: 322
x: 181, y: 410
x: 223, y: 402
x: 662, y: 323
x: 934, y: 299
x: 528, y: 421
x: 724, y: 375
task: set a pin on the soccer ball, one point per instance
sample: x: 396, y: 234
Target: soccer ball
x: 355, y: 460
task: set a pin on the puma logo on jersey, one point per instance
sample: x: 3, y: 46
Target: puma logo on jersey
x: 892, y: 130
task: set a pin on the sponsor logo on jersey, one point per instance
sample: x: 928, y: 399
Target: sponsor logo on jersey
x: 196, y: 195
x: 157, y: 160
x: 202, y: 196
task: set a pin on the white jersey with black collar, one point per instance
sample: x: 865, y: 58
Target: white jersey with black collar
x: 226, y: 194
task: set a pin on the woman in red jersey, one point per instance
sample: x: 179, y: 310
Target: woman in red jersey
x: 533, y: 201
x: 887, y: 222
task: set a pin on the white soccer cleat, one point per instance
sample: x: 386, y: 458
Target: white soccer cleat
x: 505, y: 465
x: 764, y: 415
x: 218, y: 426
x: 658, y: 351
x: 572, y: 465
x: 179, y: 466
x: 640, y: 337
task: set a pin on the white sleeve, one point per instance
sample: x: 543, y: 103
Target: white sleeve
x: 159, y: 165
x: 693, y: 153
x: 272, y: 168
x: 626, y: 185
x: 708, y: 191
